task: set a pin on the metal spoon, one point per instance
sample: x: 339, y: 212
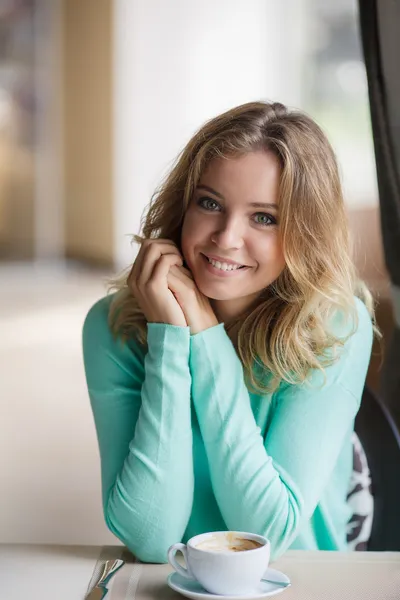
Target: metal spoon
x: 100, y: 589
x: 283, y: 584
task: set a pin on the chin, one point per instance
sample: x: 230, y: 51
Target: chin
x: 212, y: 293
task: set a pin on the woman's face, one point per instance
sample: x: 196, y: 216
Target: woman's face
x: 230, y: 238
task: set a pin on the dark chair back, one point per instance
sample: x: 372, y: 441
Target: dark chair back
x: 380, y: 439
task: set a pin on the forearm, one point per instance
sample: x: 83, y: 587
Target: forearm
x: 252, y: 492
x: 273, y: 485
x: 147, y: 465
x: 150, y: 503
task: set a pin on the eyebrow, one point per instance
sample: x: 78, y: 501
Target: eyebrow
x: 253, y: 204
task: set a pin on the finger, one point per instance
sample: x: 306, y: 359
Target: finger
x: 137, y: 266
x: 183, y: 274
x: 179, y: 283
x: 176, y: 284
x: 152, y: 256
x: 162, y: 267
x: 186, y: 272
x: 148, y: 256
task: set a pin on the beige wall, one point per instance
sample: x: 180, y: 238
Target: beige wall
x: 369, y: 258
x: 17, y: 180
x: 88, y: 129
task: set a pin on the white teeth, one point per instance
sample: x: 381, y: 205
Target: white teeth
x: 223, y: 266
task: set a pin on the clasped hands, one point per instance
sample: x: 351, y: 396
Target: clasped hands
x: 165, y: 289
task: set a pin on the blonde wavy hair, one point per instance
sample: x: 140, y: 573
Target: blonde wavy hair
x: 287, y: 333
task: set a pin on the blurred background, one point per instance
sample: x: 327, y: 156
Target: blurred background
x: 96, y: 99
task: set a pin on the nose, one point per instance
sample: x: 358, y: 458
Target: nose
x: 228, y: 235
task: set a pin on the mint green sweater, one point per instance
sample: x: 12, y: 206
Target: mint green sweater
x: 185, y: 448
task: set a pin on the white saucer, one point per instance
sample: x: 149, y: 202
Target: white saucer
x: 193, y: 589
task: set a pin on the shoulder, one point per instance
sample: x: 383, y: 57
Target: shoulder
x: 349, y: 370
x: 364, y: 325
x: 107, y: 356
x: 356, y: 325
x: 97, y: 334
x: 344, y: 378
x: 96, y: 328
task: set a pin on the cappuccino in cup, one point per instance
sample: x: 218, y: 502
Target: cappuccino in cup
x: 223, y: 562
x: 229, y: 542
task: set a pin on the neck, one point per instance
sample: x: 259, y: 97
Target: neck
x: 228, y: 311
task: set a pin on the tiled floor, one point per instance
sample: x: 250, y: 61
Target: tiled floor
x: 50, y: 481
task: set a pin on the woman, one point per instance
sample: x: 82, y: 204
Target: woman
x: 226, y: 372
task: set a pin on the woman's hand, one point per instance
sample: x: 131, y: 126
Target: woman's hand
x: 196, y: 307
x: 148, y: 281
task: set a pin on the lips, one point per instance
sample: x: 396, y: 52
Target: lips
x: 223, y: 270
x: 222, y: 260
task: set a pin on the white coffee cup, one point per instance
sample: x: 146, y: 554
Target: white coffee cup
x: 219, y: 569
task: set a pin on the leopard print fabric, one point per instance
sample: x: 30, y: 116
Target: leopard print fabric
x: 360, y: 499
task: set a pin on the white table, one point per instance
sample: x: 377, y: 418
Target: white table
x: 46, y: 572
x: 64, y: 572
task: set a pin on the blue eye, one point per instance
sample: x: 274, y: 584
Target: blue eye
x: 264, y: 219
x: 209, y: 204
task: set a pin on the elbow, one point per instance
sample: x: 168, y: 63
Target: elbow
x: 278, y: 549
x: 279, y: 522
x: 144, y: 548
x: 148, y: 553
x: 285, y: 528
x: 147, y: 544
x: 147, y: 530
x: 152, y: 555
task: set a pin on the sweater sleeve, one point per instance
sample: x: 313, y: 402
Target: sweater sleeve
x: 141, y: 408
x: 270, y: 486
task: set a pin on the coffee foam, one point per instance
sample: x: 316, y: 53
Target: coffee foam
x: 230, y: 542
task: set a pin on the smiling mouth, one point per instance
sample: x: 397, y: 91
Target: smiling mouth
x: 223, y: 266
